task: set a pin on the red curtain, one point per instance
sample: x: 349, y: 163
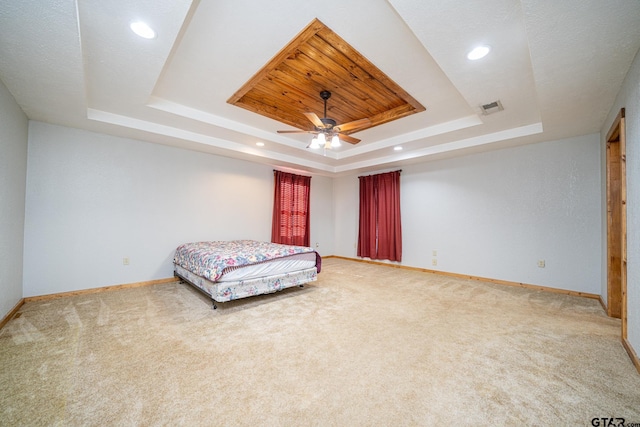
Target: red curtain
x: 290, y: 220
x: 367, y: 241
x: 380, y: 230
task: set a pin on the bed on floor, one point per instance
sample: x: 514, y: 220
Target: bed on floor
x: 229, y: 270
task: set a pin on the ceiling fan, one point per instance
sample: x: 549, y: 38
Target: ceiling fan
x: 328, y: 132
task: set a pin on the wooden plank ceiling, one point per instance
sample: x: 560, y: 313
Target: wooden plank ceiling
x: 318, y: 59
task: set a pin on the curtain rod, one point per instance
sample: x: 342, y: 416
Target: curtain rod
x: 294, y: 173
x: 362, y: 176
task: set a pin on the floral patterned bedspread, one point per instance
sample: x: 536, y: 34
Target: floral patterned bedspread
x: 210, y: 259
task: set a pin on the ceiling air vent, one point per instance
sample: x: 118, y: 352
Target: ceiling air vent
x: 492, y: 107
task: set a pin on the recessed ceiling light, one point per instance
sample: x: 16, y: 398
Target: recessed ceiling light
x: 478, y: 52
x: 398, y: 148
x: 260, y: 144
x: 143, y: 30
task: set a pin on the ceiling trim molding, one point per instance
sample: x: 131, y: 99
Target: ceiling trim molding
x: 439, y: 129
x: 450, y: 146
x: 155, y: 128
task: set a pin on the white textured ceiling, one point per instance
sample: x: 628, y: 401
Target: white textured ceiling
x: 556, y: 66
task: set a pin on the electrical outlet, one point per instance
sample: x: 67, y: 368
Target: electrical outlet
x: 541, y: 263
x: 434, y: 262
x: 434, y: 253
x: 125, y: 261
x: 317, y: 245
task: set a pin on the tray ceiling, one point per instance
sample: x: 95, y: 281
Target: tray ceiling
x: 318, y: 59
x: 555, y: 67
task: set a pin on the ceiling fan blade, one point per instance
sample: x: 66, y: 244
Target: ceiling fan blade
x: 352, y: 125
x: 297, y: 131
x: 313, y: 118
x: 347, y: 138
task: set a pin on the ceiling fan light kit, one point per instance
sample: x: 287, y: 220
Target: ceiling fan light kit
x: 327, y: 133
x: 321, y: 140
x: 335, y: 141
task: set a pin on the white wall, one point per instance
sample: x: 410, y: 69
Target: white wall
x: 93, y: 199
x: 496, y: 214
x: 345, y: 202
x: 321, y: 207
x: 13, y: 172
x: 629, y: 98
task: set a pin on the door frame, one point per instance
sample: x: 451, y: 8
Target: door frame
x: 617, y: 221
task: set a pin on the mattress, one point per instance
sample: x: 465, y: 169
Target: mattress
x: 272, y: 267
x: 214, y: 259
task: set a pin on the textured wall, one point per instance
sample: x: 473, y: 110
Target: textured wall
x: 13, y: 173
x: 93, y: 199
x: 629, y: 98
x: 496, y: 214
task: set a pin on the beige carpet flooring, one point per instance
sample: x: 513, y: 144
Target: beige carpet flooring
x: 365, y: 345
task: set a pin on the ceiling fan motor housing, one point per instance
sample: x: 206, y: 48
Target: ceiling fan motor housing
x: 329, y: 123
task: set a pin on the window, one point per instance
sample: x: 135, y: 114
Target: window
x: 290, y: 221
x: 380, y: 230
